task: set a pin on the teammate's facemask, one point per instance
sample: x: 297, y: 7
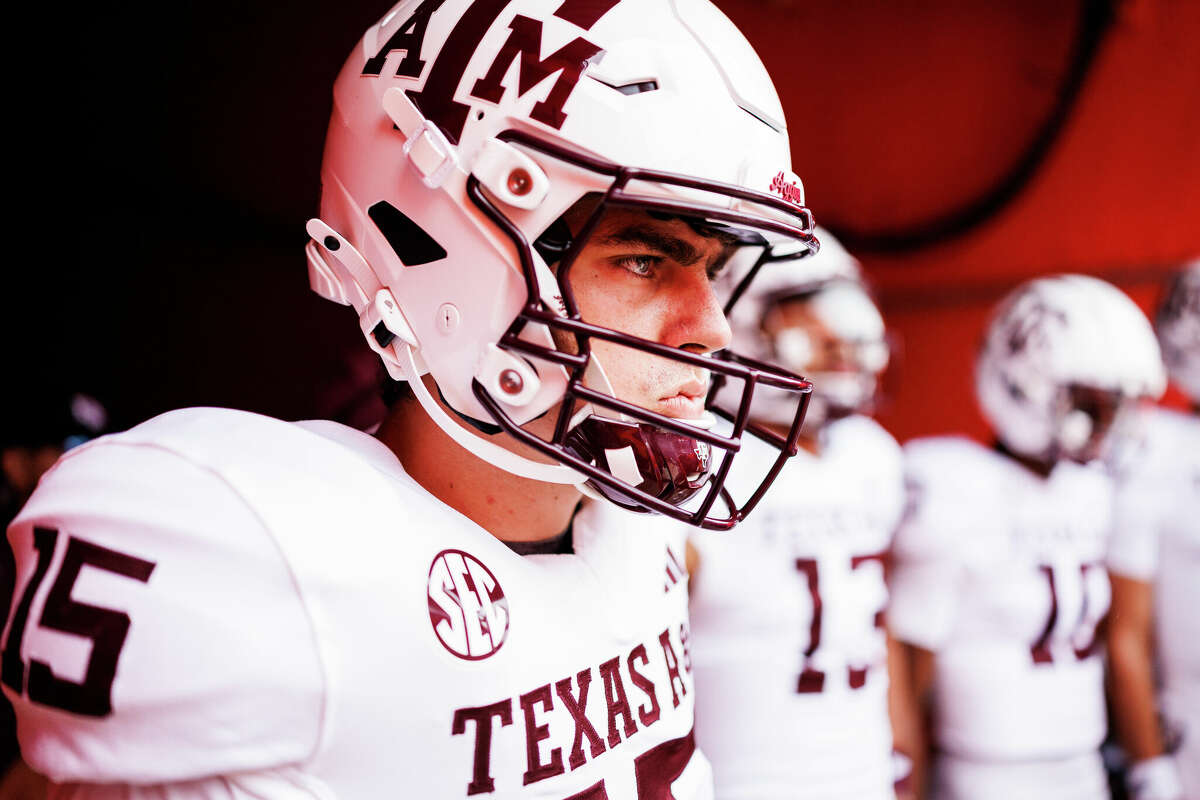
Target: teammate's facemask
x: 1088, y: 419
x: 834, y: 335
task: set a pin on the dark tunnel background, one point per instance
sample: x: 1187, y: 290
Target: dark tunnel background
x: 166, y: 160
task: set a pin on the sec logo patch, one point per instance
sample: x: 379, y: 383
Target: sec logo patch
x: 467, y: 607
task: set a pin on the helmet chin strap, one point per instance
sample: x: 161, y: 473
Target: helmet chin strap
x: 405, y: 359
x: 488, y: 451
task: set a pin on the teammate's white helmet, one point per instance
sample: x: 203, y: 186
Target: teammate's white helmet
x: 461, y: 134
x: 1061, y: 357
x: 1178, y: 327
x: 830, y: 284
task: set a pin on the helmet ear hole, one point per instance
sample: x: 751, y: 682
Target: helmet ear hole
x: 408, y: 240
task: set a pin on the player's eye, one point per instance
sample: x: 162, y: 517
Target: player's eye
x: 643, y: 266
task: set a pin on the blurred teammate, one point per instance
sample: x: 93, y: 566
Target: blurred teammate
x: 35, y: 433
x: 220, y: 605
x: 1154, y: 562
x: 788, y: 644
x: 1000, y: 583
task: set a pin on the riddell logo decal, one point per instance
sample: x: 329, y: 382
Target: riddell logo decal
x: 788, y: 189
x: 467, y: 607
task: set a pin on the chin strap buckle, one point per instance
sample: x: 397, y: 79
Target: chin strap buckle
x: 382, y: 322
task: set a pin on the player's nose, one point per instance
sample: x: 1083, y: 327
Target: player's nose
x: 700, y: 322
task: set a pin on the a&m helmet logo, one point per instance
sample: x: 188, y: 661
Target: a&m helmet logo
x: 467, y: 607
x: 703, y: 453
x: 439, y: 98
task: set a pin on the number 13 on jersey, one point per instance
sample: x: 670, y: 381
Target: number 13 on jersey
x: 844, y: 625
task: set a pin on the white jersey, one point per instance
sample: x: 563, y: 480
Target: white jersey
x: 1157, y: 539
x: 1000, y: 573
x: 789, y: 649
x: 216, y: 593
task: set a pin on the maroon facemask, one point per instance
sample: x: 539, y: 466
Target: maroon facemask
x: 675, y: 462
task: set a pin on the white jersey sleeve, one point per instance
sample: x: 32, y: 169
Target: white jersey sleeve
x: 1157, y: 540
x: 928, y: 573
x: 1146, y: 490
x: 286, y: 783
x: 155, y: 634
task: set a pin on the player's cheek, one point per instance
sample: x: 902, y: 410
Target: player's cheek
x: 613, y: 297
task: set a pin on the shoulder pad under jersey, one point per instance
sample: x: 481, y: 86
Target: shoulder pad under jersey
x: 155, y: 632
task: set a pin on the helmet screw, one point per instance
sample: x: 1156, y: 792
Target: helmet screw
x: 331, y: 243
x: 511, y: 382
x: 519, y: 181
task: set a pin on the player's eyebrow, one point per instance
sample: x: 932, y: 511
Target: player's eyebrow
x: 678, y: 250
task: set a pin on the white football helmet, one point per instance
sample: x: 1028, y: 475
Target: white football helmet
x: 462, y: 132
x: 1061, y: 359
x: 1178, y: 327
x: 831, y: 286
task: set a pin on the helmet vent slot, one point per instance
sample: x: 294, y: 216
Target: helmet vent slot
x: 412, y: 245
x: 634, y: 87
x: 764, y: 120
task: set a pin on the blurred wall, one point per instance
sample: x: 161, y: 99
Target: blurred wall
x: 166, y: 165
x: 901, y: 113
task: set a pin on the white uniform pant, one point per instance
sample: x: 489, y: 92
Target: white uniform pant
x: 1079, y: 777
x: 1182, y: 710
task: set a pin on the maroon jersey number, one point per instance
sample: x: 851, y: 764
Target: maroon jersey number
x: 105, y: 627
x: 813, y: 680
x: 1083, y: 635
x: 655, y: 771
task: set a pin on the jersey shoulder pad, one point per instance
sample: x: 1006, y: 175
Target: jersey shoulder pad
x: 1153, y: 467
x: 156, y: 633
x: 944, y: 477
x: 1172, y: 439
x: 863, y: 434
x: 872, y: 461
x: 950, y: 467
x: 943, y: 454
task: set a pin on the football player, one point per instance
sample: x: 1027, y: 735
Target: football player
x: 788, y: 644
x: 526, y: 204
x: 1154, y: 561
x: 999, y: 583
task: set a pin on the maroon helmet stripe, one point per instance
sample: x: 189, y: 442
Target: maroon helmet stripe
x: 584, y: 13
